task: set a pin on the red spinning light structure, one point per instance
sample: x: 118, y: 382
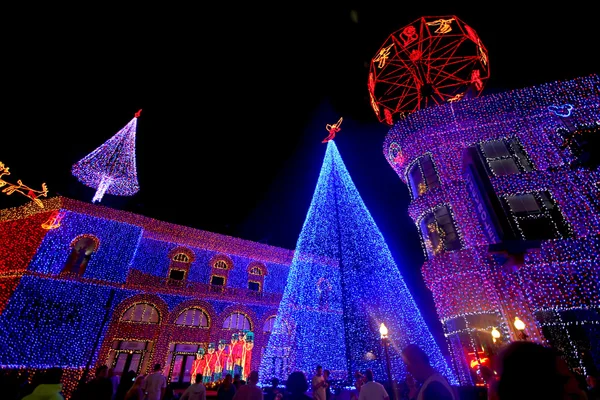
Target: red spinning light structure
x: 431, y: 61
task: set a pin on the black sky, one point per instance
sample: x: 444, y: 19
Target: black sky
x: 235, y: 100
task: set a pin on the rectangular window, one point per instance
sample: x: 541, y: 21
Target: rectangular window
x: 415, y: 178
x: 537, y: 216
x: 176, y: 274
x: 181, y: 359
x: 523, y: 204
x: 128, y: 355
x: 505, y: 166
x: 422, y: 176
x: 445, y: 222
x: 431, y: 178
x: 438, y: 232
x: 495, y: 149
x: 217, y: 280
x: 505, y: 157
x: 254, y: 286
x: 186, y: 348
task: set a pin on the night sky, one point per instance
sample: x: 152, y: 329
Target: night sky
x: 235, y: 100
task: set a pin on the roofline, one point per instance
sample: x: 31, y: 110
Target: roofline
x: 158, y: 230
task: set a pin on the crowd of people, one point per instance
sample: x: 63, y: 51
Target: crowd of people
x: 523, y: 370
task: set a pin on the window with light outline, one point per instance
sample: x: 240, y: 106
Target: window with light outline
x: 269, y: 324
x: 505, y: 156
x: 256, y: 276
x: 422, y: 176
x: 144, y: 313
x: 238, y: 321
x: 83, y: 247
x: 179, y: 267
x: 193, y: 317
x: 220, y: 267
x: 537, y: 216
x: 438, y: 231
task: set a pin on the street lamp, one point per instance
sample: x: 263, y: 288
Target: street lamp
x: 495, y: 335
x: 520, y: 326
x: 383, y: 333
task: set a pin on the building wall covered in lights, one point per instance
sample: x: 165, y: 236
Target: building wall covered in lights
x: 83, y: 285
x: 506, y: 196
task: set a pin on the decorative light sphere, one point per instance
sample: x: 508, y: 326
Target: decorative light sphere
x: 431, y: 61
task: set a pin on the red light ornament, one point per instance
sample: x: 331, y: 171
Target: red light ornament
x: 432, y: 61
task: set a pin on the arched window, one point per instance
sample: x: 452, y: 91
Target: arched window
x: 193, y: 316
x: 82, y: 250
x: 181, y: 257
x: 256, y: 276
x: 269, y: 324
x: 220, y: 267
x: 141, y: 312
x: 237, y: 321
x: 179, y: 267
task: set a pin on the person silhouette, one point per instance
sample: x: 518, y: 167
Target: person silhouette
x: 434, y: 386
x: 528, y: 370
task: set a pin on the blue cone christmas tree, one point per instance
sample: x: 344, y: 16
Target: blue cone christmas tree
x: 111, y: 167
x: 343, y: 283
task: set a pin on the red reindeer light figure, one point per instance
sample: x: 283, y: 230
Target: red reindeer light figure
x: 21, y: 188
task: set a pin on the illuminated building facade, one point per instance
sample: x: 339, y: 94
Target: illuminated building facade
x: 83, y: 285
x: 505, y: 194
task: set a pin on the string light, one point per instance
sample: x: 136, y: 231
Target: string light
x: 10, y: 188
x: 336, y: 325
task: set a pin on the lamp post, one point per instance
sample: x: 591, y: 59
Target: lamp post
x: 520, y: 326
x: 495, y: 335
x: 383, y: 332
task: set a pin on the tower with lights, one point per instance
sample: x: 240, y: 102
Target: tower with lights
x: 506, y: 197
x: 342, y: 285
x: 111, y: 167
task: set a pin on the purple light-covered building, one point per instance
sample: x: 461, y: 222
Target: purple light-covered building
x: 505, y: 193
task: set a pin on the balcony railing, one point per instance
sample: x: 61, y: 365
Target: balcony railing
x: 156, y: 284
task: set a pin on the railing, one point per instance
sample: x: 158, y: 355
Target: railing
x: 155, y: 283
